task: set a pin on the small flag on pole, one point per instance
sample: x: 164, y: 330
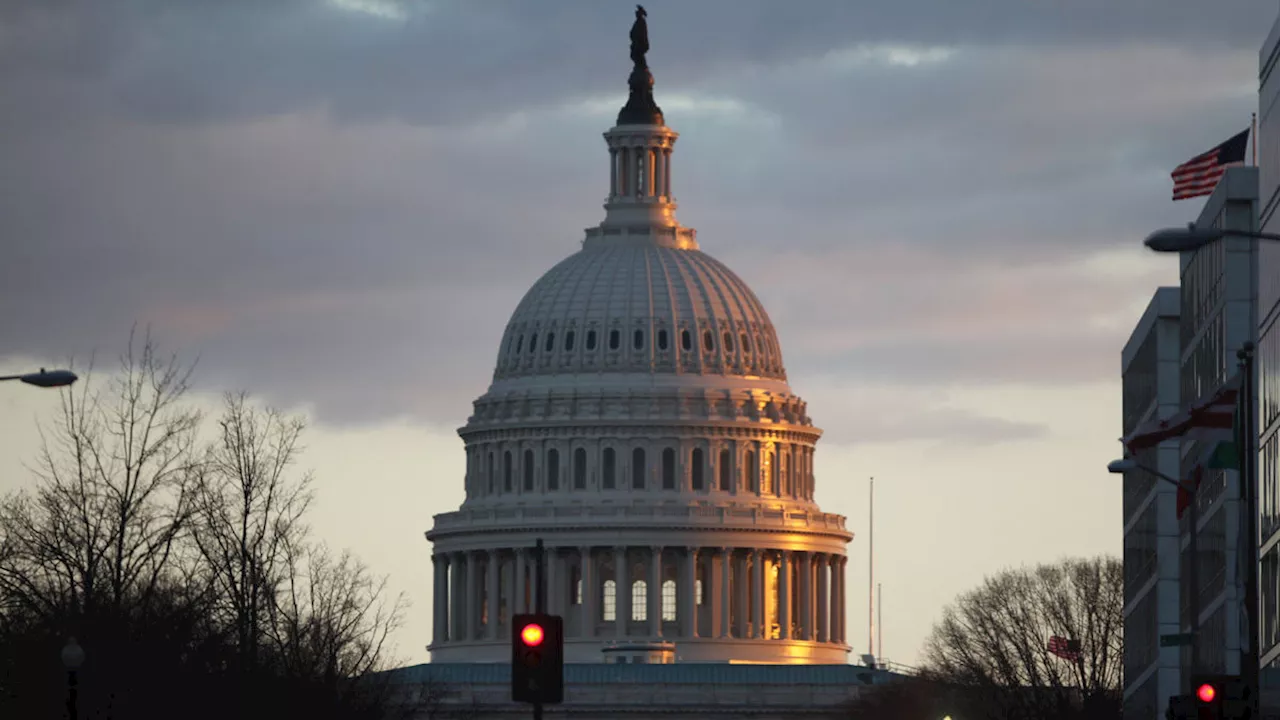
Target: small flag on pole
x: 1064, y: 648
x: 1211, y: 420
x: 1200, y: 175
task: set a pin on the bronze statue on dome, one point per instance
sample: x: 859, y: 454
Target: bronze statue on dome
x: 639, y: 38
x: 640, y: 108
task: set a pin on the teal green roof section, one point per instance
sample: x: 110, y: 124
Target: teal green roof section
x: 678, y: 673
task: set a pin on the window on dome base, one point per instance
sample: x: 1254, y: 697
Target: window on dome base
x: 580, y: 469
x: 728, y: 341
x: 591, y: 339
x: 686, y: 341
x: 669, y: 469
x: 553, y: 469
x: 615, y: 339
x: 609, y: 606
x: 637, y: 469
x: 568, y: 341
x: 669, y: 601
x: 662, y: 339
x: 744, y: 343
x: 637, y: 340
x: 639, y: 601
x: 696, y: 469
x: 610, y: 470
x: 726, y: 479
x: 528, y: 470
x: 520, y: 344
x: 708, y: 341
x: 506, y: 471
x: 551, y: 342
x: 533, y: 343
x: 492, y: 473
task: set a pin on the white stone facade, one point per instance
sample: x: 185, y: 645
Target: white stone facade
x: 641, y: 424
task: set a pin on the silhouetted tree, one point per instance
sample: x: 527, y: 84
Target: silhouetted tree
x: 988, y: 656
x: 185, y: 571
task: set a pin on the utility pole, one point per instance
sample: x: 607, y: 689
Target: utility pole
x: 539, y: 599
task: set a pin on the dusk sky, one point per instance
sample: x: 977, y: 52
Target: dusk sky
x: 337, y: 205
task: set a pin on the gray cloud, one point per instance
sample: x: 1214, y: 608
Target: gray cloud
x: 342, y: 210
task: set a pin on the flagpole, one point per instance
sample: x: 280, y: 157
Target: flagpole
x: 871, y: 571
x: 1253, y: 137
x: 1249, y: 495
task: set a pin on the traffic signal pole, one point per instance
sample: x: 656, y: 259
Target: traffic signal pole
x: 540, y: 598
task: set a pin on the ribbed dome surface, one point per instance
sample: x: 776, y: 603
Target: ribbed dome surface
x: 622, y: 307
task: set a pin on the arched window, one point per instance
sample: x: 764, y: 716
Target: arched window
x: 506, y: 471
x: 686, y: 342
x: 708, y: 341
x: 551, y: 342
x: 662, y: 339
x: 669, y: 601
x: 553, y: 469
x: 637, y: 340
x: 492, y: 473
x: 696, y: 464
x: 591, y: 339
x: 743, y: 343
x: 728, y: 341
x: 753, y: 472
x: 575, y: 585
x: 669, y: 469
x: 770, y: 474
x: 568, y: 341
x: 726, y: 469
x: 639, y: 601
x: 520, y: 343
x: 637, y: 469
x: 609, y: 606
x: 615, y: 339
x: 533, y: 343
x: 580, y: 469
x: 528, y: 470
x: 698, y: 584
x: 610, y: 470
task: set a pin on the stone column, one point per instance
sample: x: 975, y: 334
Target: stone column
x: 457, y: 601
x: 742, y: 598
x: 757, y: 601
x: 835, y: 599
x: 586, y: 571
x: 654, y: 594
x: 806, y: 596
x: 471, y: 631
x: 844, y: 602
x: 553, y: 581
x: 784, y: 595
x: 621, y: 592
x: 613, y: 172
x: 687, y: 595
x: 635, y: 179
x: 491, y: 594
x: 824, y: 598
x: 440, y: 602
x: 519, y: 589
x: 726, y: 592
x: 509, y: 596
x: 666, y: 166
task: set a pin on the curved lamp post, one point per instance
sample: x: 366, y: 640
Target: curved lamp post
x: 1172, y: 240
x: 72, y: 658
x: 45, y: 378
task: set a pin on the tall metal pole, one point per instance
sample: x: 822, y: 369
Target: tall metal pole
x: 871, y: 571
x: 879, y: 620
x: 1193, y: 580
x: 1249, y: 494
x: 539, y: 598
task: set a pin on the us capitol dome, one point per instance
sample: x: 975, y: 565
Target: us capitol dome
x: 640, y: 423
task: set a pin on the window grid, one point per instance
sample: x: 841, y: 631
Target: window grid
x: 639, y: 601
x: 609, y: 606
x: 669, y: 601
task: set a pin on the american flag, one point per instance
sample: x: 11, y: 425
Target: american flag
x: 1209, y: 420
x: 1200, y: 175
x: 1064, y: 648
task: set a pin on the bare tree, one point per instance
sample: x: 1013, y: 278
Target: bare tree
x: 249, y: 513
x: 100, y: 528
x: 993, y: 640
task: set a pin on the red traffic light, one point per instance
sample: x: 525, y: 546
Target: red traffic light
x: 532, y: 635
x: 1206, y: 693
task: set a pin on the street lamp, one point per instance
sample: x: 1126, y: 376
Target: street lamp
x: 45, y: 378
x: 1119, y: 467
x: 1172, y: 240
x: 72, y: 658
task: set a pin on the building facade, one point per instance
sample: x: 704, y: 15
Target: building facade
x: 1150, y: 373
x: 1267, y: 359
x: 641, y: 424
x: 1217, y: 317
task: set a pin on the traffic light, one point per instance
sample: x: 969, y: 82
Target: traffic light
x: 537, y: 659
x: 1237, y: 699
